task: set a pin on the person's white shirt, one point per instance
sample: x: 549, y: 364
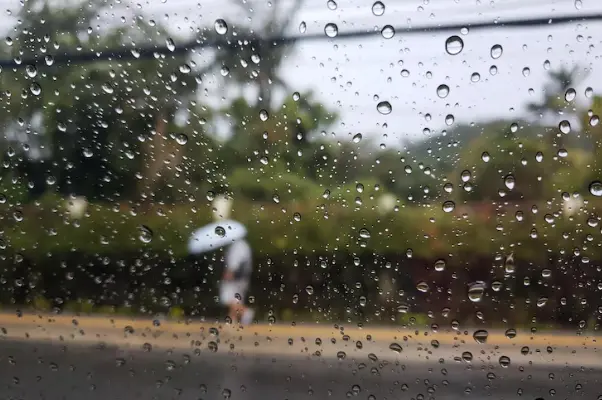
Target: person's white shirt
x: 238, y: 259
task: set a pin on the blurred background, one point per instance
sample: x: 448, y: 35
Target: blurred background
x: 390, y: 170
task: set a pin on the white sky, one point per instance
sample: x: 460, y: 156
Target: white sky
x: 348, y: 74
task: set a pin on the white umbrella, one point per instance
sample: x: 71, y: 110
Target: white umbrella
x: 215, y: 235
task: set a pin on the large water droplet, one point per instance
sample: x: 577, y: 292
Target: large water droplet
x: 331, y: 30
x: 480, y: 336
x: 467, y: 356
x: 595, y: 188
x: 221, y: 27
x: 542, y: 301
x: 387, y: 32
x: 570, y: 94
x: 378, y: 8
x: 475, y: 77
x: 396, y: 347
x: 476, y: 292
x: 509, y: 181
x: 220, y: 231
x: 504, y: 361
x: 384, y: 107
x: 422, y: 287
x: 496, y: 51
x: 439, y: 265
x: 263, y: 115
x: 564, y: 126
x: 357, y: 138
x: 442, y: 91
x: 454, y: 45
x: 171, y: 46
x: 146, y: 234
x: 181, y: 139
x: 302, y: 27
x: 35, y: 89
x: 449, y: 206
x: 31, y: 70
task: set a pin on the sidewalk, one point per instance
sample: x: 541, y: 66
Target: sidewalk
x: 325, y: 332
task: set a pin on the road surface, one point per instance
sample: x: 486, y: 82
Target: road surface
x: 67, y: 359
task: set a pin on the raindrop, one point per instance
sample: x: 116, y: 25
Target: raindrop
x: 542, y: 301
x: 454, y: 45
x: 171, y: 46
x: 309, y: 289
x: 31, y: 70
x: 485, y: 157
x: 509, y: 181
x: 422, y: 287
x: 181, y: 139
x: 475, y: 77
x: 442, y: 91
x: 145, y: 234
x: 526, y: 71
x: 476, y: 291
x: 564, y: 126
x: 396, y: 347
x: 302, y: 27
x: 493, y: 70
x: 465, y: 175
x: 594, y: 120
x: 220, y: 231
x: 263, y: 115
x: 331, y: 30
x: 384, y: 107
x: 480, y: 336
x: 504, y: 361
x: 570, y: 94
x: 185, y: 68
x: 524, y: 350
x: 449, y: 119
x: 595, y: 188
x: 331, y: 4
x: 467, y: 356
x: 449, y: 206
x: 448, y: 187
x: 496, y: 51
x: 546, y: 273
x: 589, y: 92
x: 296, y: 96
x: 35, y: 89
x: 364, y: 233
x: 378, y: 8
x: 357, y: 138
x: 387, y: 32
x: 578, y: 4
x: 439, y: 265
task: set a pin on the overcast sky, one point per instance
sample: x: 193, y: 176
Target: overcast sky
x: 350, y: 75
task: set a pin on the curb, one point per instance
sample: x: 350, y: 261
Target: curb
x: 309, y: 331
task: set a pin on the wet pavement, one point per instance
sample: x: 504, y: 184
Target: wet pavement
x: 39, y: 369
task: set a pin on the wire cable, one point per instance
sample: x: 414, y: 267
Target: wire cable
x: 153, y: 52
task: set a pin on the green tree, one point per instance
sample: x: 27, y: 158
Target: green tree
x: 100, y: 129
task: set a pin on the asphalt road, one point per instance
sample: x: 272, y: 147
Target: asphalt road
x: 42, y: 370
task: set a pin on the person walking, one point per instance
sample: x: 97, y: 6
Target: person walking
x: 236, y: 281
x: 238, y: 263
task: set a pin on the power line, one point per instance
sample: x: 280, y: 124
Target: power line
x: 152, y: 52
